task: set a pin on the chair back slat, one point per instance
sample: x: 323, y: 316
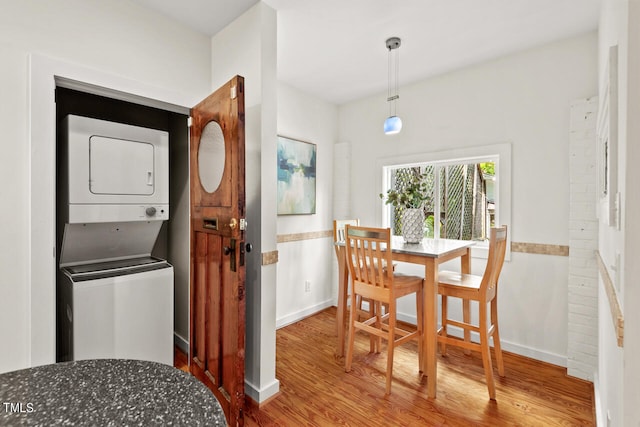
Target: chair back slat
x: 495, y: 260
x: 367, y: 256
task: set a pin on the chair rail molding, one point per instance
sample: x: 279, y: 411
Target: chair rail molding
x: 616, y: 312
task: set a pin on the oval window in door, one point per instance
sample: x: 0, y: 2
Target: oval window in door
x: 211, y: 157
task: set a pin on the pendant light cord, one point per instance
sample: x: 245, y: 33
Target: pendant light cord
x: 397, y: 93
x: 393, y: 88
x: 389, y: 82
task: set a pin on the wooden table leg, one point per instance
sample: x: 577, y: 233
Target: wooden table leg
x: 465, y: 262
x: 430, y: 324
x: 465, y: 268
x: 343, y: 280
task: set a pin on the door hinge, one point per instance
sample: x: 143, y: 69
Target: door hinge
x: 240, y: 293
x: 189, y: 121
x: 234, y: 92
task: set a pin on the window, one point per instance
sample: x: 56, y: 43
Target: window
x: 469, y: 191
x: 460, y: 197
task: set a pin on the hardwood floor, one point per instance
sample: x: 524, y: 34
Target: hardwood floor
x: 315, y: 390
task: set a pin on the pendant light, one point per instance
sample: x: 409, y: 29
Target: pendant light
x: 393, y: 124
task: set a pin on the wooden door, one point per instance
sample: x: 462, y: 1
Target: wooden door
x: 217, y: 316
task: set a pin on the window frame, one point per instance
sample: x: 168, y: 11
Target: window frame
x: 499, y: 153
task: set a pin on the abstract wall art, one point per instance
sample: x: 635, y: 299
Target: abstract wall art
x: 296, y: 177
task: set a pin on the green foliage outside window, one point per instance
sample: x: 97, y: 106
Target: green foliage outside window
x: 462, y: 208
x: 488, y: 168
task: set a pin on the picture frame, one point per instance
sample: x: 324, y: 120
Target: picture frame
x: 607, y: 144
x: 296, y: 191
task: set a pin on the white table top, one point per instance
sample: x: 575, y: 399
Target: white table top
x: 429, y: 247
x: 433, y: 248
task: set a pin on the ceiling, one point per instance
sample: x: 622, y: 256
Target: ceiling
x: 335, y: 49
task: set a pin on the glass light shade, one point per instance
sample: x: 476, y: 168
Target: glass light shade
x: 392, y: 125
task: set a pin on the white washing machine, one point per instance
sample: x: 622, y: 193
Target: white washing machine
x: 114, y: 300
x: 118, y: 310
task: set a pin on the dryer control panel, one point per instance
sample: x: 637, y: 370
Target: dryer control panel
x: 117, y: 213
x: 157, y: 212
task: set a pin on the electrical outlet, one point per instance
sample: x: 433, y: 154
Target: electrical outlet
x: 307, y: 286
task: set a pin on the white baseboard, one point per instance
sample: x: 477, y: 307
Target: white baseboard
x: 260, y: 395
x: 181, y: 342
x: 600, y: 419
x: 532, y: 353
x: 299, y: 315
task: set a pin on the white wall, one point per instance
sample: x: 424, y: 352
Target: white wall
x: 116, y: 38
x: 618, y: 387
x: 303, y: 117
x: 248, y: 47
x: 523, y: 99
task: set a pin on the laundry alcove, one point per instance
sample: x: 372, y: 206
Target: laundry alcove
x: 172, y: 243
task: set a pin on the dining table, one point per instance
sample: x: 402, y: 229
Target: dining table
x: 430, y: 253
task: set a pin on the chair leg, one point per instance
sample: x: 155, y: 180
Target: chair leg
x: 486, y: 352
x: 466, y: 318
x: 445, y: 317
x: 419, y: 325
x: 496, y: 336
x: 390, y: 348
x: 352, y: 330
x: 375, y: 341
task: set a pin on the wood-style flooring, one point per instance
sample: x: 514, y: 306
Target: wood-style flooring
x: 315, y: 390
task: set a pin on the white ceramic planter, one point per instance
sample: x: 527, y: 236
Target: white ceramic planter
x: 413, y: 225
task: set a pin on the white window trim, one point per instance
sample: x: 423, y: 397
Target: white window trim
x: 501, y: 153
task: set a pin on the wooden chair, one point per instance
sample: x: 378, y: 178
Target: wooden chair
x: 339, y: 237
x: 367, y: 256
x: 338, y: 230
x: 484, y: 290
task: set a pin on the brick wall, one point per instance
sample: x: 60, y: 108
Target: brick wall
x: 582, y: 346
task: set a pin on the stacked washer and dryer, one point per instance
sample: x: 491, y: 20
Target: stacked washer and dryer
x: 114, y: 299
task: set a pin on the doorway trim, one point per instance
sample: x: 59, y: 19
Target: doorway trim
x: 44, y: 74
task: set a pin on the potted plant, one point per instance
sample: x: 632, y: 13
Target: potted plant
x: 409, y: 200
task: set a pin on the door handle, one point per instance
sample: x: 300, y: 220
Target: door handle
x: 233, y: 223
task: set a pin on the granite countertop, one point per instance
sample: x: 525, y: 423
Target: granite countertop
x: 106, y: 392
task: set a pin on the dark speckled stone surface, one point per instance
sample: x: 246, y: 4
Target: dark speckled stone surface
x: 106, y: 392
